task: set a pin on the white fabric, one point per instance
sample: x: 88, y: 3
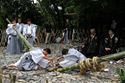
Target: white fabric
x: 18, y: 62
x: 75, y: 52
x: 58, y: 39
x: 30, y: 30
x: 71, y: 58
x: 10, y: 30
x: 67, y: 63
x: 20, y: 27
x: 36, y: 54
x: 37, y: 57
x: 73, y: 31
x: 43, y: 63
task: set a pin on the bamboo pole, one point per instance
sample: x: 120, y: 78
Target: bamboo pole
x: 21, y: 36
x: 101, y: 59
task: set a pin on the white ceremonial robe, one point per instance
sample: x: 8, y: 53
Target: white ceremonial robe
x: 37, y: 57
x: 71, y: 58
x: 21, y: 26
x: 30, y: 30
x: 76, y: 53
x: 12, y: 45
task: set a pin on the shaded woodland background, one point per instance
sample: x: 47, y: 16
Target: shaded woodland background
x: 84, y: 14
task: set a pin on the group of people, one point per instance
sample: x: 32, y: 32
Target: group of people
x: 37, y: 56
x: 92, y: 46
x: 14, y: 44
x: 67, y: 35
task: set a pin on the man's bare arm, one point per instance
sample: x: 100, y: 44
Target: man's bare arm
x: 45, y: 57
x: 59, y: 57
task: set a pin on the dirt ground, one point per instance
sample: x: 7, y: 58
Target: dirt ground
x: 43, y: 76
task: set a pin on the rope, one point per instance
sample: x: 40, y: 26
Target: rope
x: 86, y: 64
x: 82, y: 66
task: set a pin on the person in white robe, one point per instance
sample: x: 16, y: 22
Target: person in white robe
x: 30, y: 31
x: 20, y: 29
x: 38, y: 57
x: 71, y: 57
x: 12, y: 44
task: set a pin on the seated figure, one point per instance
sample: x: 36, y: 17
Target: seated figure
x: 71, y: 57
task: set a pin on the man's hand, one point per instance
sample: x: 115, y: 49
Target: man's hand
x: 107, y: 49
x: 30, y: 36
x: 52, y: 63
x: 57, y: 64
x: 58, y: 58
x: 83, y: 46
x: 26, y: 35
x: 51, y: 59
x: 14, y: 24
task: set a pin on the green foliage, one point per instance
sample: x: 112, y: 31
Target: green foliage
x: 13, y: 9
x: 89, y: 13
x: 121, y: 73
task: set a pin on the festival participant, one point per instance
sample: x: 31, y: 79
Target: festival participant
x: 30, y: 31
x: 48, y: 32
x: 71, y: 57
x: 91, y: 46
x: 12, y: 45
x: 30, y: 60
x: 20, y: 29
x: 68, y: 32
x: 111, y: 44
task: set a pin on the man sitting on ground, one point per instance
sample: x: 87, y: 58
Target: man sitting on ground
x: 71, y: 57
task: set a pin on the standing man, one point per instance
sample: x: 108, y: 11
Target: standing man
x: 68, y: 32
x: 91, y: 46
x: 48, y: 31
x: 20, y: 29
x: 30, y: 31
x: 12, y: 45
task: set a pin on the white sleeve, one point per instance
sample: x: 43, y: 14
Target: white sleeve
x: 18, y: 62
x: 10, y: 30
x: 8, y: 27
x: 34, y: 31
x: 24, y: 30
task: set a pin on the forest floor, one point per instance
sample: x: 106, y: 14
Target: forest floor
x: 43, y: 76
